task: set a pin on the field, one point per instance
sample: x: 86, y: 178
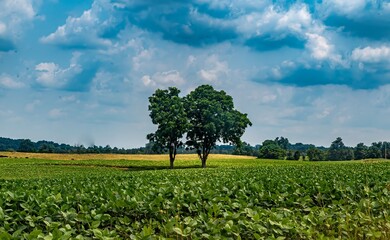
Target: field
x: 136, y: 197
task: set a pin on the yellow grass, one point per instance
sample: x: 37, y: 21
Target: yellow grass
x: 157, y: 157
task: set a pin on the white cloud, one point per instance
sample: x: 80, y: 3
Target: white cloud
x: 141, y: 58
x: 51, y: 75
x: 83, y: 31
x: 346, y: 7
x: 3, y: 28
x: 371, y: 54
x: 296, y: 20
x: 9, y: 83
x: 321, y: 49
x: 215, y: 69
x: 163, y: 79
x: 13, y: 13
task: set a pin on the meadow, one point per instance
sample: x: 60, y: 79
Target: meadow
x: 53, y: 196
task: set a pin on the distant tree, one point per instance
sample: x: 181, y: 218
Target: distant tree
x: 290, y: 155
x: 26, y: 146
x: 168, y: 113
x: 212, y: 119
x: 297, y: 155
x: 315, y: 154
x: 271, y: 150
x: 386, y: 150
x: 282, y: 142
x: 338, y: 151
x: 244, y: 149
x: 375, y: 150
x: 361, y: 151
x: 46, y: 148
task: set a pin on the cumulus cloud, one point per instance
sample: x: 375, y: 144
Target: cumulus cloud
x: 51, y: 75
x: 346, y: 7
x: 10, y: 83
x: 164, y: 79
x: 83, y: 32
x: 215, y: 70
x: 12, y: 16
x: 322, y: 49
x: 371, y: 54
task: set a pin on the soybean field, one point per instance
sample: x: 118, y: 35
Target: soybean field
x: 49, y: 197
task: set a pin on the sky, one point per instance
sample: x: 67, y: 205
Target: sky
x: 81, y: 72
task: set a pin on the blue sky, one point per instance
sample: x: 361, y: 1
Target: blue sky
x: 81, y: 72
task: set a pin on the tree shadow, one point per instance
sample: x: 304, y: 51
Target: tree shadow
x: 153, y: 168
x: 129, y: 168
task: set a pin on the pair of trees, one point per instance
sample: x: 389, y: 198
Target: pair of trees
x: 207, y: 116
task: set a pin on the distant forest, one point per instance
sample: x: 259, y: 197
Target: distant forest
x: 279, y: 148
x: 26, y: 145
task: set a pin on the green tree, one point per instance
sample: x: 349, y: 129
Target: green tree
x: 361, y: 151
x: 168, y: 113
x: 271, y: 150
x: 212, y: 118
x: 244, y: 149
x: 282, y: 142
x: 315, y: 154
x: 297, y: 155
x: 26, y: 145
x: 338, y: 151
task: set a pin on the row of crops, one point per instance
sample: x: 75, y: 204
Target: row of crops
x: 315, y: 201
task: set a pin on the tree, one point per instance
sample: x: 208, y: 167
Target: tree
x: 297, y: 155
x: 271, y: 150
x: 26, y: 145
x: 244, y: 149
x: 315, y: 154
x: 282, y: 142
x: 374, y: 151
x: 361, y: 151
x: 338, y: 151
x: 212, y: 117
x: 168, y: 113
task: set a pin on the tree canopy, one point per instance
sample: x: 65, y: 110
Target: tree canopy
x: 168, y: 113
x: 212, y: 118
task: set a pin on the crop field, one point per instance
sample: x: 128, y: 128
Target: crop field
x: 137, y: 197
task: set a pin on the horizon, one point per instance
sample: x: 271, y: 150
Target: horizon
x: 81, y: 72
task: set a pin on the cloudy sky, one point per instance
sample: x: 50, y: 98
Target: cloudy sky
x: 81, y: 72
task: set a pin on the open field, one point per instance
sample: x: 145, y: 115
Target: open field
x: 135, y: 197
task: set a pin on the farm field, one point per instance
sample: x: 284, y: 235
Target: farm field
x: 136, y: 197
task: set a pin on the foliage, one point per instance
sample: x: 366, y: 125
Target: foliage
x: 361, y: 151
x: 283, y: 142
x: 167, y: 112
x: 270, y: 200
x: 293, y: 155
x: 212, y: 119
x: 338, y: 151
x: 315, y: 154
x: 244, y: 149
x: 270, y: 149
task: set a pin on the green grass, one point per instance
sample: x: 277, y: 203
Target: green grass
x: 234, y: 198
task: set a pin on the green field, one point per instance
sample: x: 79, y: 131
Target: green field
x: 234, y: 198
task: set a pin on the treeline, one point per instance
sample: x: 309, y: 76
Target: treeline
x: 280, y: 148
x: 26, y: 145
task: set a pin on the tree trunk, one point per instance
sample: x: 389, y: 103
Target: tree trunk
x: 171, y: 163
x: 172, y: 155
x: 203, y: 162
